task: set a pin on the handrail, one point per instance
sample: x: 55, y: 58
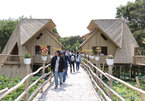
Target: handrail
x: 97, y: 68
x: 120, y: 97
x: 104, y: 94
x: 141, y: 55
x: 23, y: 80
x: 10, y: 55
x: 126, y: 84
x: 35, y: 82
x: 4, y: 58
x: 3, y: 90
x: 38, y: 88
x: 139, y: 59
x: 111, y: 77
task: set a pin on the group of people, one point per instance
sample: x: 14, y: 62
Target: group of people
x: 60, y: 63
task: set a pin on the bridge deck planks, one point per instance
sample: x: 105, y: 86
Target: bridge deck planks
x: 77, y: 88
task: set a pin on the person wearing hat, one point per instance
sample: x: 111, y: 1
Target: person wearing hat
x: 67, y: 60
x: 57, y: 67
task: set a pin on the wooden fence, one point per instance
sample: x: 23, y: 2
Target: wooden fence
x: 4, y: 58
x: 100, y: 84
x: 25, y: 81
x: 139, y: 60
x: 88, y: 66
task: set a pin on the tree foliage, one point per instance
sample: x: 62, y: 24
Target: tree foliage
x: 70, y: 43
x: 55, y: 31
x: 6, y: 29
x: 134, y: 14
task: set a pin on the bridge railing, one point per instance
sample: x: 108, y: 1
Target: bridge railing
x: 6, y: 91
x: 5, y: 58
x: 100, y: 84
x: 139, y: 60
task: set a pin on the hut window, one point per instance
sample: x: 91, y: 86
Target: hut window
x: 104, y: 37
x: 39, y: 36
x: 103, y: 51
x: 37, y: 49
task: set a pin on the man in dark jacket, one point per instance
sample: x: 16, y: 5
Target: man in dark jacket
x: 67, y: 60
x: 57, y: 67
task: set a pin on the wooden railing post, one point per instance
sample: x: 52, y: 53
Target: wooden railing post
x: 110, y: 81
x: 27, y: 82
x: 43, y: 71
x: 103, y: 71
x: 138, y: 85
x: 97, y: 65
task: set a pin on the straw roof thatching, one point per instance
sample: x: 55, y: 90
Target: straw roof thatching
x: 26, y: 29
x: 119, y: 33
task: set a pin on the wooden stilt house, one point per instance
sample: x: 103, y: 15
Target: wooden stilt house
x: 114, y: 37
x: 28, y: 35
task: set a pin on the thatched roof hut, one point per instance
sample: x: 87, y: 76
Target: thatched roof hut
x: 116, y: 38
x: 28, y: 35
x: 27, y: 30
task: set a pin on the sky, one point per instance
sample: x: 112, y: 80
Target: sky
x: 70, y: 16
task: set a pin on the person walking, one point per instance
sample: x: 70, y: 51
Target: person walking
x: 67, y: 53
x: 78, y: 61
x: 57, y: 67
x: 67, y: 60
x: 73, y: 59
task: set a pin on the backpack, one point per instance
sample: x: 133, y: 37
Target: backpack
x: 72, y: 58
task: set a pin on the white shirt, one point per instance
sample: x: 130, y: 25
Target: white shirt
x: 57, y: 64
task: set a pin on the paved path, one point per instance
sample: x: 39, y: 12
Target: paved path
x: 77, y: 88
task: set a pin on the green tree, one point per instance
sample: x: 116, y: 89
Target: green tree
x: 55, y: 31
x: 6, y: 29
x: 134, y: 14
x: 70, y: 43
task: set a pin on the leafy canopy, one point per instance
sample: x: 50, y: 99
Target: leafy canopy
x: 134, y: 14
x: 70, y: 43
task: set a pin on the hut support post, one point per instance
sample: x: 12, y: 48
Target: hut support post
x: 26, y: 82
x: 110, y: 81
x: 43, y: 71
x: 130, y: 70
x: 117, y: 71
x: 97, y: 65
x: 138, y: 85
x: 102, y: 70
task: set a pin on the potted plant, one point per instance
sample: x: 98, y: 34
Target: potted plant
x: 44, y: 52
x: 97, y: 58
x: 82, y: 55
x: 27, y: 58
x: 92, y: 56
x: 109, y: 60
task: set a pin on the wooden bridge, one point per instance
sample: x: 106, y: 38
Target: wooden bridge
x: 86, y: 85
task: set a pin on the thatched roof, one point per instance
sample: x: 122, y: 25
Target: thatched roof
x: 29, y: 27
x: 119, y: 33
x: 26, y: 29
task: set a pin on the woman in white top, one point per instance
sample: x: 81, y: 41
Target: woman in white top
x: 78, y: 61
